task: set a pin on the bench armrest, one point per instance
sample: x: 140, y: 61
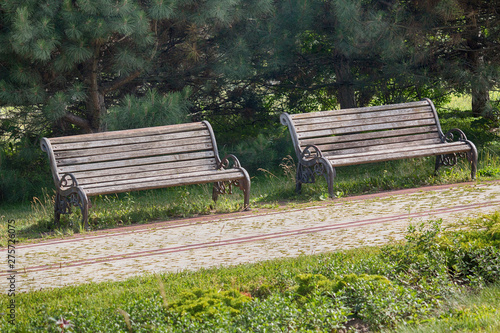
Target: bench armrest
x: 450, y: 136
x: 68, y: 180
x: 229, y: 161
x: 309, y: 152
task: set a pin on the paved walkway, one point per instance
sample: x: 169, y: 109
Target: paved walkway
x: 230, y: 239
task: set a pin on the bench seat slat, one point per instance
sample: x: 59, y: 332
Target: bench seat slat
x: 386, y: 155
x: 359, y: 123
x: 370, y: 135
x: 126, y: 140
x: 139, y: 132
x: 366, y: 146
x: 204, y: 168
x: 209, y: 164
x: 362, y: 109
x: 136, y: 162
x: 359, y: 116
x: 209, y: 174
x: 64, y: 154
x: 366, y: 128
x: 173, y: 151
x: 219, y: 176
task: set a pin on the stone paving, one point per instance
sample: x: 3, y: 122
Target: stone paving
x: 232, y: 239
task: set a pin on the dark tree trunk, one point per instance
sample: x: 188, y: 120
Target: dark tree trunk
x: 480, y: 102
x: 345, y: 92
x: 96, y: 106
x: 479, y: 89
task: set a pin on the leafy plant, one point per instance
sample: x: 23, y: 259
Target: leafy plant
x: 201, y: 304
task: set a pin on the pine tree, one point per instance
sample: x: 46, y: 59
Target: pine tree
x: 324, y: 52
x: 73, y: 61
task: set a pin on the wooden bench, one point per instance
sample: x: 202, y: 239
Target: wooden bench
x: 329, y: 139
x: 139, y: 159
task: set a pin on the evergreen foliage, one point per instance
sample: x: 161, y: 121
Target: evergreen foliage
x: 75, y: 60
x: 318, y: 54
x: 458, y: 42
x: 149, y: 110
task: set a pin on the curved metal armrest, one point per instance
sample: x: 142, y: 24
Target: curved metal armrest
x: 310, y: 151
x: 225, y: 163
x: 450, y: 137
x: 68, y: 180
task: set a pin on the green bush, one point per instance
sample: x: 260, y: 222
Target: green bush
x: 420, y: 257
x: 281, y: 313
x: 261, y: 152
x: 470, y: 256
x: 373, y: 299
x: 202, y: 304
x: 379, y: 303
x: 24, y: 171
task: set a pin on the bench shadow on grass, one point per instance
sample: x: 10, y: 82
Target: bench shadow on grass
x: 46, y: 229
x: 126, y: 209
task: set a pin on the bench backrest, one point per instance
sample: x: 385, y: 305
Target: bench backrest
x: 172, y: 149
x: 349, y: 131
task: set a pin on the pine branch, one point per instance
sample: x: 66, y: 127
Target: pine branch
x: 78, y: 121
x: 120, y: 82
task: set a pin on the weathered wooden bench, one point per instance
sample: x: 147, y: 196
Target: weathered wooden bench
x: 329, y: 139
x: 139, y: 159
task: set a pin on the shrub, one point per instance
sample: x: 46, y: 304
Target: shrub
x: 200, y: 304
x: 374, y: 299
x: 468, y: 256
x: 280, y: 312
x: 419, y: 258
x: 262, y: 151
x: 24, y: 171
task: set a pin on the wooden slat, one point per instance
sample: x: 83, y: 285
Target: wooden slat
x: 366, y: 128
x: 387, y: 155
x: 129, y: 133
x: 445, y: 146
x: 359, y: 110
x: 129, y: 140
x: 379, y: 144
x: 370, y: 135
x: 361, y: 115
x: 174, y: 151
x: 104, y: 173
x: 158, y: 177
x: 231, y: 174
x: 390, y: 147
x: 157, y: 173
x: 135, y: 162
x: 363, y: 122
x: 131, y: 147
